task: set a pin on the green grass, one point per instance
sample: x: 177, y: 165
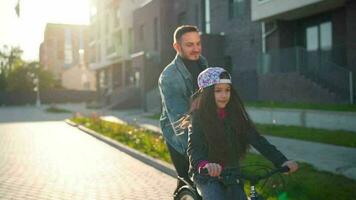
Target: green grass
x: 145, y: 141
x: 335, y: 137
x: 308, y: 183
x: 323, y: 107
x: 339, y: 137
x: 154, y: 116
x: 53, y: 109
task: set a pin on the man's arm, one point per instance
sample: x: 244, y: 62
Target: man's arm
x: 174, y: 101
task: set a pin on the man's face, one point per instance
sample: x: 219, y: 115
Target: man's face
x: 189, y: 46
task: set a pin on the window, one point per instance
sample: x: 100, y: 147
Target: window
x: 236, y: 8
x: 93, y: 54
x: 81, y: 47
x: 68, y: 50
x: 117, y: 17
x: 93, y: 13
x: 196, y: 10
x: 85, y: 82
x: 118, y: 37
x: 155, y: 25
x: 130, y: 40
x: 319, y: 37
x: 93, y: 10
x: 325, y: 36
x: 102, y: 79
x: 141, y: 33
x: 182, y: 18
x: 107, y: 24
x: 207, y: 16
x: 92, y: 32
x: 228, y: 63
x: 98, y: 52
x: 312, y: 38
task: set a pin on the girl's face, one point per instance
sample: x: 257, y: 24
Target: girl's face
x: 222, y: 94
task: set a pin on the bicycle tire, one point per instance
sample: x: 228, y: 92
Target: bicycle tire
x: 186, y: 194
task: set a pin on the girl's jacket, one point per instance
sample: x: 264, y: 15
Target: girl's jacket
x: 198, y: 147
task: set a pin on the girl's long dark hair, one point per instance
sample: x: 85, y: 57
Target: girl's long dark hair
x: 238, y: 121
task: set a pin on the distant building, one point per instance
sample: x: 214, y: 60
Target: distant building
x: 111, y: 45
x: 64, y: 52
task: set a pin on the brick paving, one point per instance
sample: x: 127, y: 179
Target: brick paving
x: 51, y: 160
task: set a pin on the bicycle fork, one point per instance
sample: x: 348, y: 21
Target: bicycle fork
x: 253, y: 193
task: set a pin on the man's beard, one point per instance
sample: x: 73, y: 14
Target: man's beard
x: 189, y: 56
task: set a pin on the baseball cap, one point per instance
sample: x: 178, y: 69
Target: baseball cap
x: 211, y: 76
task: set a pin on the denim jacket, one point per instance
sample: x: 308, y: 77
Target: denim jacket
x: 176, y: 87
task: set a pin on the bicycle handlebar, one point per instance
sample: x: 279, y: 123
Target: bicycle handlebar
x: 254, y: 178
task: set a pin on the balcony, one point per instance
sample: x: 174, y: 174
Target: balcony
x: 262, y: 10
x: 110, y: 50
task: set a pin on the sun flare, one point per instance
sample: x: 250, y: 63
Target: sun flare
x: 27, y: 30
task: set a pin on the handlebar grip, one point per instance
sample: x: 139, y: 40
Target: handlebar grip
x: 284, y: 169
x: 204, y: 171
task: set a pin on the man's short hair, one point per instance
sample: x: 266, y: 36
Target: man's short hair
x: 181, y: 30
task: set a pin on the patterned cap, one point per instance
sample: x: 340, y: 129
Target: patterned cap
x: 211, y: 76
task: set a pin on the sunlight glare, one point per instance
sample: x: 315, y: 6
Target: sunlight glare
x: 27, y: 31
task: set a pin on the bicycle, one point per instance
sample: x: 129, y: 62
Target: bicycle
x: 227, y: 177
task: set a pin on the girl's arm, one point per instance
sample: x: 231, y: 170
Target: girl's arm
x: 197, y: 147
x: 268, y: 150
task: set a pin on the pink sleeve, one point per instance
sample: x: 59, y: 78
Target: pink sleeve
x: 201, y: 164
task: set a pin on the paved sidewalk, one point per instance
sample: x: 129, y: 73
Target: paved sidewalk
x: 331, y: 158
x: 55, y: 161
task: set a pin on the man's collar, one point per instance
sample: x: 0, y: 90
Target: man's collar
x: 183, y: 69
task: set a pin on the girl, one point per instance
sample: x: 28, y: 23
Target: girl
x: 220, y: 136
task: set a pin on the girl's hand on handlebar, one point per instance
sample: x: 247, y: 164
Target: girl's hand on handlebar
x: 292, y: 165
x: 214, y: 169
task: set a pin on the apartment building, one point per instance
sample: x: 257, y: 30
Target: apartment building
x: 64, y: 52
x: 154, y: 24
x: 314, y: 38
x: 276, y: 50
x: 111, y: 45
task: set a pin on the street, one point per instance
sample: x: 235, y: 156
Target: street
x: 52, y: 160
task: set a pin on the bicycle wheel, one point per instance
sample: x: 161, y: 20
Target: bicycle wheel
x: 257, y: 198
x: 186, y: 194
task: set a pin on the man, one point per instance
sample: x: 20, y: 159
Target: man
x: 177, y: 82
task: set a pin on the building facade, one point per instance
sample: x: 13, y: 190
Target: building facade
x: 312, y: 38
x: 64, y: 50
x: 111, y: 45
x: 280, y: 50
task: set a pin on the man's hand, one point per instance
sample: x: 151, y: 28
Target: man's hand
x: 214, y: 169
x: 292, y: 165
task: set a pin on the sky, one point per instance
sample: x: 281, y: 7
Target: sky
x: 27, y: 31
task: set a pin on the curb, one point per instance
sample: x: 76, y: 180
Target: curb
x: 70, y: 122
x: 155, y: 163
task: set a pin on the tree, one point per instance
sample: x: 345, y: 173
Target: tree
x: 19, y: 80
x: 45, y: 77
x: 9, y: 58
x: 16, y: 75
